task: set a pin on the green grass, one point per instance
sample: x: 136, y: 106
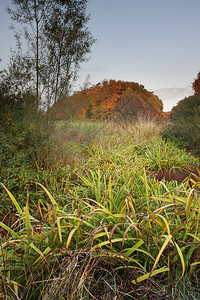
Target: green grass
x: 99, y: 226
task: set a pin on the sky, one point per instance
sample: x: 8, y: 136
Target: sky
x: 153, y: 42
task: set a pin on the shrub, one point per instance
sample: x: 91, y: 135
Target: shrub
x: 184, y: 127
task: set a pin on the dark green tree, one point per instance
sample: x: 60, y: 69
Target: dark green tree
x: 184, y: 127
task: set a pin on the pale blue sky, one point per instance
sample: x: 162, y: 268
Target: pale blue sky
x: 153, y: 42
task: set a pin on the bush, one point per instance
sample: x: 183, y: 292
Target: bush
x: 184, y: 127
x: 16, y: 168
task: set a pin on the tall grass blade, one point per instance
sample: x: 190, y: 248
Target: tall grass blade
x: 148, y: 275
x: 48, y: 194
x: 189, y: 203
x: 9, y: 230
x: 70, y: 237
x: 27, y: 221
x: 55, y: 204
x: 182, y: 259
x: 168, y: 238
x: 134, y: 248
x: 13, y: 199
x: 111, y: 241
x: 42, y: 254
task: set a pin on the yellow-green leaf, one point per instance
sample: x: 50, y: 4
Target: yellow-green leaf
x: 146, y: 276
x: 111, y: 241
x: 45, y: 252
x: 10, y: 230
x: 70, y: 237
x: 48, y: 194
x: 161, y: 251
x: 13, y: 199
x: 182, y: 259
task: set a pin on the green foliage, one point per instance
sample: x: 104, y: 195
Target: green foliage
x: 17, y: 109
x: 17, y: 167
x: 184, y: 127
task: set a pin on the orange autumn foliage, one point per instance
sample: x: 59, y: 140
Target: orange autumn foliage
x: 103, y: 100
x: 196, y: 84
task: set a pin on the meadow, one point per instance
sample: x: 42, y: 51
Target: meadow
x: 114, y: 213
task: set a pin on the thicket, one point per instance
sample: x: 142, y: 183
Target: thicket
x: 184, y: 126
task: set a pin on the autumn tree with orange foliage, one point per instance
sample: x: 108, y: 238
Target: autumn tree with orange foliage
x: 196, y: 84
x: 103, y: 100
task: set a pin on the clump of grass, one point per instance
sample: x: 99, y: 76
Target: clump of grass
x: 164, y: 155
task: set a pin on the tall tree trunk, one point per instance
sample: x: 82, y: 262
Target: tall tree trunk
x: 37, y: 76
x: 37, y: 71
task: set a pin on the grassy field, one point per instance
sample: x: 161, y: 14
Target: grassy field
x: 96, y: 223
